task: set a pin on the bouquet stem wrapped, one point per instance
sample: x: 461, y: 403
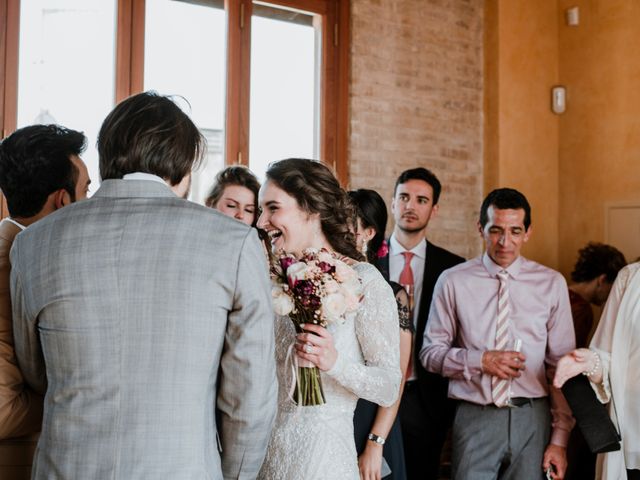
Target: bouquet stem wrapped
x: 308, y: 387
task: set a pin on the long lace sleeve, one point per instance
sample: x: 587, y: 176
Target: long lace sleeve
x: 402, y: 302
x: 378, y: 334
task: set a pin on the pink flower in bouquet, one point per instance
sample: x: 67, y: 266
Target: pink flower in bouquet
x: 325, y: 267
x: 286, y: 261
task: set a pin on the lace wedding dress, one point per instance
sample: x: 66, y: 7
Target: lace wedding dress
x: 316, y: 442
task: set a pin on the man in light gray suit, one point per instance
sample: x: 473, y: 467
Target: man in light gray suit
x: 139, y: 313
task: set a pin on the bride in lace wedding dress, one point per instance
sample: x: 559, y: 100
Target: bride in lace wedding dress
x: 304, y: 207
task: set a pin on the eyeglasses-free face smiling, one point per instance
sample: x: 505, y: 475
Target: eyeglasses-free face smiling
x: 237, y: 202
x: 290, y: 228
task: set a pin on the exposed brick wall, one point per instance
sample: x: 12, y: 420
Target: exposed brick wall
x: 416, y: 100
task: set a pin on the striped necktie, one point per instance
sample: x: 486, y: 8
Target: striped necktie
x: 500, y: 387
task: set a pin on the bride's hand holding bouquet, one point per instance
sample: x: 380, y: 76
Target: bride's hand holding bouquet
x: 317, y: 347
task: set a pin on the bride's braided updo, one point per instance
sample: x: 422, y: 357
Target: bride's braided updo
x: 317, y: 191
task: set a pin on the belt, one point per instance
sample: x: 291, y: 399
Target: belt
x: 522, y: 401
x: 515, y: 402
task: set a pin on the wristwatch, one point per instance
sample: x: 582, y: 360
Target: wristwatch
x: 375, y: 438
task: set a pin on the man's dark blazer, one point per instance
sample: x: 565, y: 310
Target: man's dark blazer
x: 433, y: 388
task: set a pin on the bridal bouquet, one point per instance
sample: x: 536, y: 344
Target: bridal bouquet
x: 318, y: 288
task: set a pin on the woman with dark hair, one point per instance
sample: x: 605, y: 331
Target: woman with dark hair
x: 235, y: 194
x: 369, y: 418
x: 304, y: 207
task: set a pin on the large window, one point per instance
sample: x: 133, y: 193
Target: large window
x: 193, y: 68
x: 262, y: 80
x: 285, y: 113
x: 62, y: 77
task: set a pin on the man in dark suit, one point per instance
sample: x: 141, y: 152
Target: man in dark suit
x: 425, y: 411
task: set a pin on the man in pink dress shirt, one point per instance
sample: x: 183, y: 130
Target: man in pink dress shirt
x: 490, y: 439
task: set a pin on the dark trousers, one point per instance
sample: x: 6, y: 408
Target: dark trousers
x: 422, y: 435
x: 633, y: 474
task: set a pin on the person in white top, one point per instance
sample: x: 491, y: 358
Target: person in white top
x: 612, y: 364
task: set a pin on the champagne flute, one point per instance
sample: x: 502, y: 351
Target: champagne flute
x: 409, y: 289
x: 517, y: 346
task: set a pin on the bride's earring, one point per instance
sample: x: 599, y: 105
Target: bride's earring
x: 364, y: 247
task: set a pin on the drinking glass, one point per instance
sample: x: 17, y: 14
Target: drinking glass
x: 517, y: 346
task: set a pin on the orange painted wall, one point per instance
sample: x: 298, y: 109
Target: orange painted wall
x: 521, y: 132
x: 599, y: 156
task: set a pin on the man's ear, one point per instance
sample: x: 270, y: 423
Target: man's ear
x: 601, y: 279
x: 480, y: 230
x: 527, y: 233
x: 434, y: 211
x: 60, y: 198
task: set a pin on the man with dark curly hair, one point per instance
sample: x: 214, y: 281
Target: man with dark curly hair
x: 593, y: 275
x: 40, y: 172
x: 138, y: 313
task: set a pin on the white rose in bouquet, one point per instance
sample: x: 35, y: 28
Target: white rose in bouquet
x: 282, y: 302
x: 326, y: 257
x: 331, y: 286
x: 334, y: 307
x: 297, y: 272
x: 344, y: 273
x: 352, y: 299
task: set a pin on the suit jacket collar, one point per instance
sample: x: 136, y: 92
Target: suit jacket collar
x: 118, y: 188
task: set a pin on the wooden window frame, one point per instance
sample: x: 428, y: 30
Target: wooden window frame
x: 334, y: 93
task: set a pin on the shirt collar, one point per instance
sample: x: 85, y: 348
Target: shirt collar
x: 143, y: 176
x: 493, y: 268
x: 420, y: 250
x: 17, y: 224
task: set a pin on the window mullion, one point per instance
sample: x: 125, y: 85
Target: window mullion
x: 238, y: 81
x: 130, y: 48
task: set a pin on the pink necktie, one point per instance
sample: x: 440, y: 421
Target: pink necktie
x: 500, y: 387
x: 406, y: 276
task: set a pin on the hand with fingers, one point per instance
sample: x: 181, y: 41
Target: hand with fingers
x: 555, y: 461
x: 316, y: 345
x: 504, y: 364
x: 581, y: 360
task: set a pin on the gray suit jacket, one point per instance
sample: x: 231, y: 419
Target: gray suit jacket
x: 136, y: 307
